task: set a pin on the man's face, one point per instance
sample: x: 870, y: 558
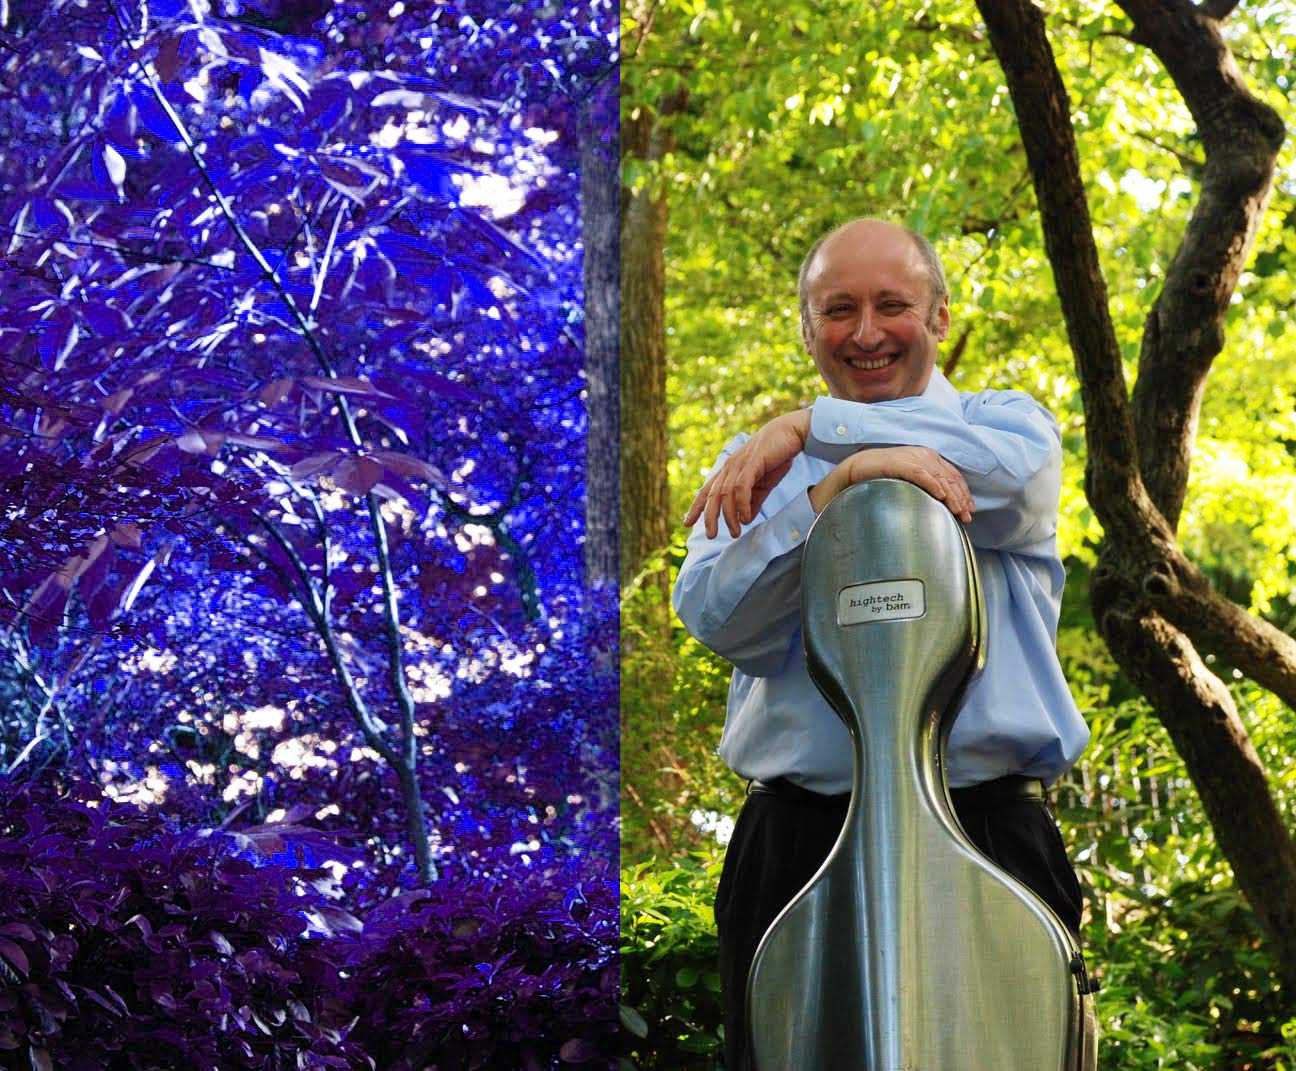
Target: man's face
x: 871, y: 324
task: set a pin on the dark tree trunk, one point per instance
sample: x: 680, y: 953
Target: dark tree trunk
x: 600, y: 221
x: 1151, y: 604
x: 645, y: 491
x: 649, y: 747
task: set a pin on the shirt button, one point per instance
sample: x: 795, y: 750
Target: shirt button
x: 796, y: 534
x: 841, y: 429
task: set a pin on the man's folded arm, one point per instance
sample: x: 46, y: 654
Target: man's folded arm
x: 741, y: 597
x: 1006, y: 445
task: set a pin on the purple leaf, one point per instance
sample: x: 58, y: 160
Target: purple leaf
x: 359, y: 475
x: 14, y: 955
x: 151, y: 115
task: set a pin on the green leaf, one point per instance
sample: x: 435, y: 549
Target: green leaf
x: 633, y: 1021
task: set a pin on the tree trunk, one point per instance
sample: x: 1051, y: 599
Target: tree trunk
x: 600, y: 219
x: 645, y: 490
x: 1149, y: 601
x: 647, y: 654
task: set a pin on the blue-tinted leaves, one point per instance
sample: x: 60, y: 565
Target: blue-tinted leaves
x: 169, y: 9
x: 168, y: 397
x: 58, y: 336
x: 358, y: 474
x: 118, y: 127
x: 167, y: 60
x: 150, y: 114
x: 99, y: 168
x: 442, y: 284
x: 329, y: 104
x: 49, y: 214
x: 431, y: 172
x: 350, y: 175
x: 103, y: 320
x: 481, y: 228
x: 176, y: 947
x: 476, y: 293
x: 14, y: 955
x: 250, y: 79
x: 284, y: 75
x: 410, y: 91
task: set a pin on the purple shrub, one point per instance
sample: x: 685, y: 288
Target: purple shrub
x: 503, y: 976
x: 128, y: 944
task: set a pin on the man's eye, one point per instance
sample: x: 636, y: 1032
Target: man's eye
x: 893, y: 308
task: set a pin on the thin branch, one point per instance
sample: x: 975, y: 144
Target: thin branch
x: 315, y: 607
x: 926, y: 24
x: 121, y: 250
x: 1191, y: 164
x: 644, y: 24
x: 956, y: 351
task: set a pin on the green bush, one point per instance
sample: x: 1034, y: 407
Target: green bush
x: 1187, y: 982
x: 670, y: 982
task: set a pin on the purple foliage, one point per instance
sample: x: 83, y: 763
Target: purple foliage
x: 258, y: 393
x: 519, y: 974
x: 315, y: 379
x: 127, y: 943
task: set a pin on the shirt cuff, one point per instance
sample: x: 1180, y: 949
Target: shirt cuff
x: 788, y: 528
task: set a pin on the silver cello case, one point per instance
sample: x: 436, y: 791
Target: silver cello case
x: 908, y: 950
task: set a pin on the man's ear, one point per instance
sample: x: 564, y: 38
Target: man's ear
x: 942, y: 320
x: 805, y: 335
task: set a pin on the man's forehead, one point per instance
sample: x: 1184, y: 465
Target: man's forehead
x: 887, y: 293
x: 886, y: 257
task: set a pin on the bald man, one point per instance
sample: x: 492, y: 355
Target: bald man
x: 874, y: 312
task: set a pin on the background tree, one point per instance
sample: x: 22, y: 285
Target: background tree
x: 1155, y: 607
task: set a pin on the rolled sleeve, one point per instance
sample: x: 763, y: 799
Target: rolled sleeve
x: 741, y: 596
x: 1005, y: 444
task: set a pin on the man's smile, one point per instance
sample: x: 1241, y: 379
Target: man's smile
x: 870, y: 364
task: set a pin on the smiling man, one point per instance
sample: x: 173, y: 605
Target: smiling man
x: 874, y: 311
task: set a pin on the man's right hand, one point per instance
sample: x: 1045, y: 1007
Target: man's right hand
x: 739, y: 487
x: 916, y: 464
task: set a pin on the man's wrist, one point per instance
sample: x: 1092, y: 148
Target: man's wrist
x: 824, y: 492
x: 799, y: 422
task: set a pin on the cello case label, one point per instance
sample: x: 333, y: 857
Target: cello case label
x: 881, y: 600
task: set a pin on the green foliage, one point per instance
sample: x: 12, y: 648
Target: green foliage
x: 672, y: 710
x: 670, y: 984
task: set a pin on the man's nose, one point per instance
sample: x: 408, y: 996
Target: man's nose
x: 868, y: 330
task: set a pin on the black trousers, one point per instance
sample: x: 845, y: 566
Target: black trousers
x: 779, y: 841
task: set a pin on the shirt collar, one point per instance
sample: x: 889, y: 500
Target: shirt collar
x: 941, y: 391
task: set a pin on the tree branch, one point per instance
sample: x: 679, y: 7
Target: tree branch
x: 955, y: 352
x: 1241, y: 137
x: 1112, y: 481
x: 403, y: 762
x: 1262, y: 652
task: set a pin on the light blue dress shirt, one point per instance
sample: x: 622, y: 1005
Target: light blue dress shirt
x: 741, y: 596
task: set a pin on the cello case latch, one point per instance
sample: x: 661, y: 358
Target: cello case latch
x: 1085, y: 984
